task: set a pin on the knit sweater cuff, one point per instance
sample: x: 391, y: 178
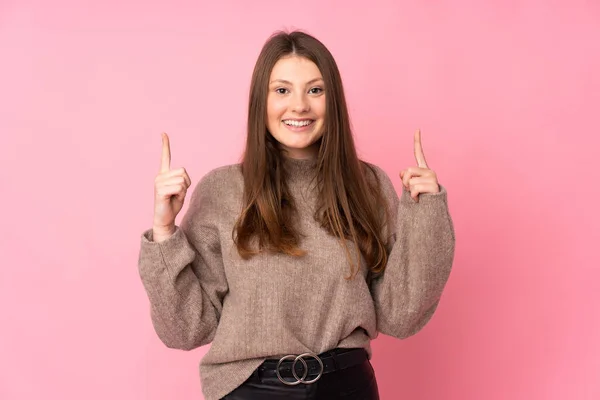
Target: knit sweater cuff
x: 425, y: 199
x: 175, y: 253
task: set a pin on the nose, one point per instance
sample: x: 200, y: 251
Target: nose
x: 300, y: 103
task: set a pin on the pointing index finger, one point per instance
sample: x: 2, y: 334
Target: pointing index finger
x: 419, y: 155
x: 165, y: 165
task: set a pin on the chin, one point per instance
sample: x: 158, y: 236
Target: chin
x: 298, y: 146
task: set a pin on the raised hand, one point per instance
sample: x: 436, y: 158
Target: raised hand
x: 170, y: 188
x: 419, y: 179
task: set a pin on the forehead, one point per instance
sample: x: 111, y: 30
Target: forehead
x: 295, y: 69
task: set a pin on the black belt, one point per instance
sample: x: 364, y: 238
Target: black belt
x: 309, y: 367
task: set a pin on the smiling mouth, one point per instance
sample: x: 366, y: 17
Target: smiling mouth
x: 299, y: 124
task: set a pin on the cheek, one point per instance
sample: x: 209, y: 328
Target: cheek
x: 319, y: 107
x: 275, y: 108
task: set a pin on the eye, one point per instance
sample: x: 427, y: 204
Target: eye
x: 315, y: 90
x: 281, y: 90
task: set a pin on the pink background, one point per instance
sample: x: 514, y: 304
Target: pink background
x: 506, y: 93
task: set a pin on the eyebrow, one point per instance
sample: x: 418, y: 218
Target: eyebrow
x: 290, y: 83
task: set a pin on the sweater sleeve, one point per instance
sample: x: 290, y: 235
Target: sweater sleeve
x: 420, y: 255
x: 184, y: 277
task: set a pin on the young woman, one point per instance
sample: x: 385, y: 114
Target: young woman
x: 292, y: 261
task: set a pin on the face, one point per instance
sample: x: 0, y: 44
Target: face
x: 296, y: 106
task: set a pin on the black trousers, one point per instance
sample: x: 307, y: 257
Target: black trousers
x: 356, y: 382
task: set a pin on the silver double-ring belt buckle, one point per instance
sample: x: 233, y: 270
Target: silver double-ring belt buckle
x: 299, y: 379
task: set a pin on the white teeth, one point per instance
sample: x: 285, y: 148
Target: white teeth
x: 297, y: 123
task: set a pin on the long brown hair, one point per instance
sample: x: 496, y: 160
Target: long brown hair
x: 349, y: 205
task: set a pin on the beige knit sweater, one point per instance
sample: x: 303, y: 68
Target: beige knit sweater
x: 202, y: 291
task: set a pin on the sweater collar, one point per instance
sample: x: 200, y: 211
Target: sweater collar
x: 300, y: 169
